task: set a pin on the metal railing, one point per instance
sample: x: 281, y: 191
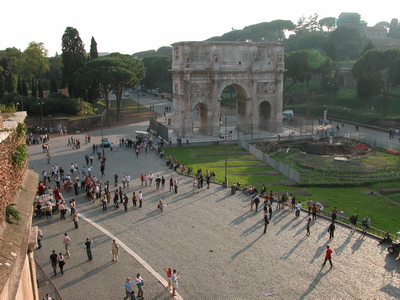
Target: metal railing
x: 45, y: 284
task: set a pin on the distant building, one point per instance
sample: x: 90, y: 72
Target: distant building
x: 354, y: 20
x: 376, y: 33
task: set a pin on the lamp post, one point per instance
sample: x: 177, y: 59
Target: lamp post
x: 226, y: 143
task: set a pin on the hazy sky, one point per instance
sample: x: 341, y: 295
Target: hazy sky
x: 128, y: 26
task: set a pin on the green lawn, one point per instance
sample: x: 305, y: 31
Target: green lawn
x: 382, y: 210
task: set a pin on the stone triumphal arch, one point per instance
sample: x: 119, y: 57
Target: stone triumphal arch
x: 201, y: 71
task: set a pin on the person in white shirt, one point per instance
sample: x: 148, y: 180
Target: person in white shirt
x: 140, y: 198
x: 127, y: 180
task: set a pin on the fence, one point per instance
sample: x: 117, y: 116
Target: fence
x: 45, y: 284
x: 346, y: 220
x: 279, y: 166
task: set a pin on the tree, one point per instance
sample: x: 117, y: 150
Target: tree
x: 73, y: 57
x: 36, y: 61
x: 157, y: 72
x: 40, y: 89
x: 384, y: 24
x: 331, y: 52
x: 379, y: 66
x: 19, y: 86
x: 93, y: 49
x: 306, y: 25
x: 303, y: 65
x: 24, y: 88
x: 112, y: 72
x: 394, y: 29
x: 33, y: 88
x: 55, y: 69
x: 368, y: 46
x: 313, y: 40
x: 328, y: 22
x: 53, y: 85
x: 348, y: 41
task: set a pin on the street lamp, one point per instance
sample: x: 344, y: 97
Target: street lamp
x: 226, y: 144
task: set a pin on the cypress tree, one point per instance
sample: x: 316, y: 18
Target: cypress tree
x: 93, y: 49
x: 40, y: 89
x: 24, y: 88
x: 53, y: 84
x: 19, y: 86
x: 34, y: 93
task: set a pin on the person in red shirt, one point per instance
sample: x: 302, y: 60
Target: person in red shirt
x: 328, y: 256
x: 314, y: 212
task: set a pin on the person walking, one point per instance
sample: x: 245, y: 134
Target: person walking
x: 102, y: 168
x: 104, y: 202
x: 62, y: 209
x: 125, y: 202
x: 168, y: 272
x: 161, y: 205
x: 270, y: 211
x: 61, y: 262
x: 298, y: 209
x: 194, y: 184
x: 176, y: 186
x: 331, y: 230
x: 353, y: 221
x: 162, y: 182
x: 115, y: 251
x: 328, y: 256
x: 256, y: 202
x: 128, y: 289
x: 67, y: 244
x: 266, y: 222
x: 88, y: 244
x: 174, y: 279
x: 139, y: 283
x: 53, y: 260
x: 75, y: 219
x: 308, y: 226
x: 115, y: 179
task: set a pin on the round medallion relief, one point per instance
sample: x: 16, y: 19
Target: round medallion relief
x: 270, y: 87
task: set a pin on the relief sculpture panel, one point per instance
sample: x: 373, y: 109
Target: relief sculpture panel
x: 200, y: 91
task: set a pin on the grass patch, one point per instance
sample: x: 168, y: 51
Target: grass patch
x: 382, y: 210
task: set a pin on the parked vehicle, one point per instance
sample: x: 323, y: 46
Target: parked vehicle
x: 105, y: 142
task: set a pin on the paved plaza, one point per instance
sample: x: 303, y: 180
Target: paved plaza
x: 211, y: 236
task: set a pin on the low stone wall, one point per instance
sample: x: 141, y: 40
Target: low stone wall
x: 55, y: 125
x: 11, y: 176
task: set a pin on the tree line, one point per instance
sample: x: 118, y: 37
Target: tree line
x: 84, y: 76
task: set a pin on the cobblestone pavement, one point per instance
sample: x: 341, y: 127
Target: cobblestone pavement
x: 211, y: 236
